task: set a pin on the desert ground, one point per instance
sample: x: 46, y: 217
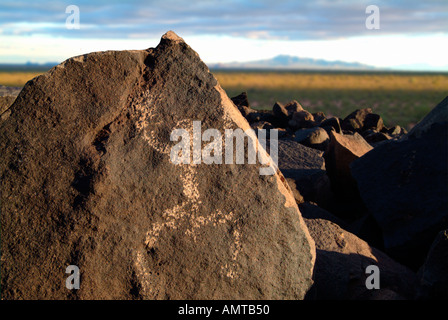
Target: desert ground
x: 401, y: 98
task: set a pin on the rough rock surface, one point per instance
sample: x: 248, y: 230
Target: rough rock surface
x: 306, y: 167
x: 311, y: 210
x: 5, y: 103
x: 86, y: 180
x: 9, y: 91
x: 319, y: 117
x: 332, y: 122
x: 395, y: 131
x: 341, y: 152
x: 404, y: 185
x: 242, y: 103
x: 437, y: 115
x: 292, y: 107
x: 362, y: 119
x: 373, y: 137
x: 433, y: 274
x: 316, y: 138
x: 281, y: 113
x: 341, y: 262
x: 301, y: 119
x: 293, y: 156
x: 7, y: 97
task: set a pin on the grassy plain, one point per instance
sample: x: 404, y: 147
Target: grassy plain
x: 16, y: 79
x: 400, y: 98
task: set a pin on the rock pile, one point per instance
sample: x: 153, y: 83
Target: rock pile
x: 404, y: 184
x: 375, y: 183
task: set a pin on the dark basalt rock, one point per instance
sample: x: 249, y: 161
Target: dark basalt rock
x: 433, y: 274
x: 361, y: 120
x: 341, y: 262
x: 404, y: 185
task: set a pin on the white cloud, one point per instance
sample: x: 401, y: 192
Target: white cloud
x: 380, y: 51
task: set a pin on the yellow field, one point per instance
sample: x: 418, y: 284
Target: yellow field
x: 16, y: 79
x: 400, y: 98
x: 340, y: 81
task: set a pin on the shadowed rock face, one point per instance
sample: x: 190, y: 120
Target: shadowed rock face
x: 86, y: 180
x: 404, y: 185
x: 342, y: 259
x: 433, y: 275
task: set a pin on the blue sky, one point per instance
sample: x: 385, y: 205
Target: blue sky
x: 412, y: 35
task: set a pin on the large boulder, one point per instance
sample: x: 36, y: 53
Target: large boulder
x: 433, y: 274
x: 87, y: 180
x: 341, y: 263
x: 404, y: 184
x: 342, y: 150
x: 306, y: 168
x: 437, y: 115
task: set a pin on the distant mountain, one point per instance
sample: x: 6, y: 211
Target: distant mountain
x: 27, y: 67
x: 286, y: 62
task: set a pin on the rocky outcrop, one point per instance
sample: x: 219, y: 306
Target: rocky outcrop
x: 304, y: 169
x: 437, y: 115
x: 341, y: 152
x: 87, y: 180
x: 341, y: 263
x: 433, y: 274
x: 404, y: 185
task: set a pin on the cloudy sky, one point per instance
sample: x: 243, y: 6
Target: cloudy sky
x: 412, y: 35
